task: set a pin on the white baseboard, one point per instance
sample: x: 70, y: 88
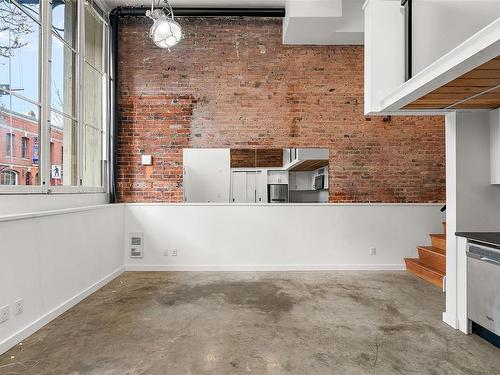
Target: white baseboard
x: 265, y: 267
x: 54, y: 313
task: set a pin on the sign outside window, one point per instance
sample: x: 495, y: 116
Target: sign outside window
x: 35, y: 150
x: 56, y: 172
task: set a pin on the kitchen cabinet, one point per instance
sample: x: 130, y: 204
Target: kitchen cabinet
x: 301, y: 181
x: 277, y: 177
x: 246, y: 187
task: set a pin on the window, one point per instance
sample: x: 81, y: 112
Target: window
x: 24, y: 147
x: 64, y: 123
x: 20, y: 32
x: 71, y: 120
x: 8, y: 178
x: 28, y: 178
x: 94, y: 78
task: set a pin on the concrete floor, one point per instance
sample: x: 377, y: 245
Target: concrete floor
x: 263, y: 323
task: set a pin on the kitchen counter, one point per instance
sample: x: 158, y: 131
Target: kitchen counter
x: 486, y: 237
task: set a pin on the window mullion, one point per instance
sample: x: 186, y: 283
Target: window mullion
x: 45, y: 92
x: 80, y: 96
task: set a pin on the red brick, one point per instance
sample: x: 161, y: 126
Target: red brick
x: 216, y: 89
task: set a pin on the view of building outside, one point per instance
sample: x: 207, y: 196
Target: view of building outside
x: 20, y: 96
x: 19, y: 150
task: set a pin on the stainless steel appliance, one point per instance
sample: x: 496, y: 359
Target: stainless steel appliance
x: 319, y: 182
x: 277, y: 193
x: 483, y: 285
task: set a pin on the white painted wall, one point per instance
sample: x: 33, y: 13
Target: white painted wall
x: 323, y: 22
x: 441, y: 25
x: 54, y: 261
x: 207, y: 174
x: 478, y: 201
x: 279, y: 237
x: 384, y: 51
x: 495, y: 146
x: 18, y: 204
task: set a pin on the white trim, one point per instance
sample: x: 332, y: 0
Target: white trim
x: 477, y: 50
x: 54, y: 313
x: 63, y: 211
x: 264, y: 267
x: 282, y: 204
x: 40, y: 189
x: 461, y: 288
x: 450, y: 314
x: 450, y: 320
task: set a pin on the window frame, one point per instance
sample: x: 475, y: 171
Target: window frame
x: 45, y: 103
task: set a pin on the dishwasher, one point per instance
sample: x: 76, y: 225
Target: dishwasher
x: 483, y: 286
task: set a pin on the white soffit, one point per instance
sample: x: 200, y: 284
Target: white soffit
x: 323, y: 22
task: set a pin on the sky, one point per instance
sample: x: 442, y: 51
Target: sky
x: 21, y: 72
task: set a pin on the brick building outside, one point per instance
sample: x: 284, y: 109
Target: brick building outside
x: 19, y: 149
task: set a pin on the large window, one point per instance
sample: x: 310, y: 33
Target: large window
x: 56, y: 109
x: 20, y: 33
x: 94, y: 75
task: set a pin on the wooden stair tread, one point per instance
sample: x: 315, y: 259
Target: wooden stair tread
x: 420, y: 264
x: 431, y: 262
x: 434, y: 250
x: 433, y: 257
x: 428, y: 273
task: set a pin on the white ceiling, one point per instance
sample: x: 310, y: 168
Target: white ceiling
x: 202, y: 3
x: 314, y: 22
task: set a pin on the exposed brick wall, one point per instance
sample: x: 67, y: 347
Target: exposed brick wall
x: 232, y: 83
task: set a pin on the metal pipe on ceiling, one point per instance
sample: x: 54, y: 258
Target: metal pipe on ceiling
x: 204, y: 12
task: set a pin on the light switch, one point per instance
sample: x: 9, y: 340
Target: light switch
x: 146, y: 160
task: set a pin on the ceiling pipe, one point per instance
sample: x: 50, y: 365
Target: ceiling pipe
x: 204, y: 12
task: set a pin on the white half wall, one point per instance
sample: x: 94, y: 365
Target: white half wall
x: 274, y: 237
x: 26, y: 203
x: 53, y: 260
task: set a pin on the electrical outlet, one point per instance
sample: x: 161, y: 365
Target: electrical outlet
x: 19, y: 306
x: 373, y: 251
x: 4, y: 313
x: 165, y: 252
x: 174, y: 252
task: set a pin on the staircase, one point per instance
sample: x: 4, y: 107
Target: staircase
x: 431, y: 262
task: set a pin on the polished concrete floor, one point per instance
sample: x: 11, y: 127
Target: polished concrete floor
x: 260, y: 323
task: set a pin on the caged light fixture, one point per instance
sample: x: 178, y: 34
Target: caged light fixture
x: 165, y: 32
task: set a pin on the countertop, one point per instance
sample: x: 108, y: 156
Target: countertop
x: 487, y: 237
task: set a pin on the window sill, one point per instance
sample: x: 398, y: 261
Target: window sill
x: 48, y: 190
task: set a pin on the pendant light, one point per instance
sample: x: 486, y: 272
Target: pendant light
x: 165, y: 32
